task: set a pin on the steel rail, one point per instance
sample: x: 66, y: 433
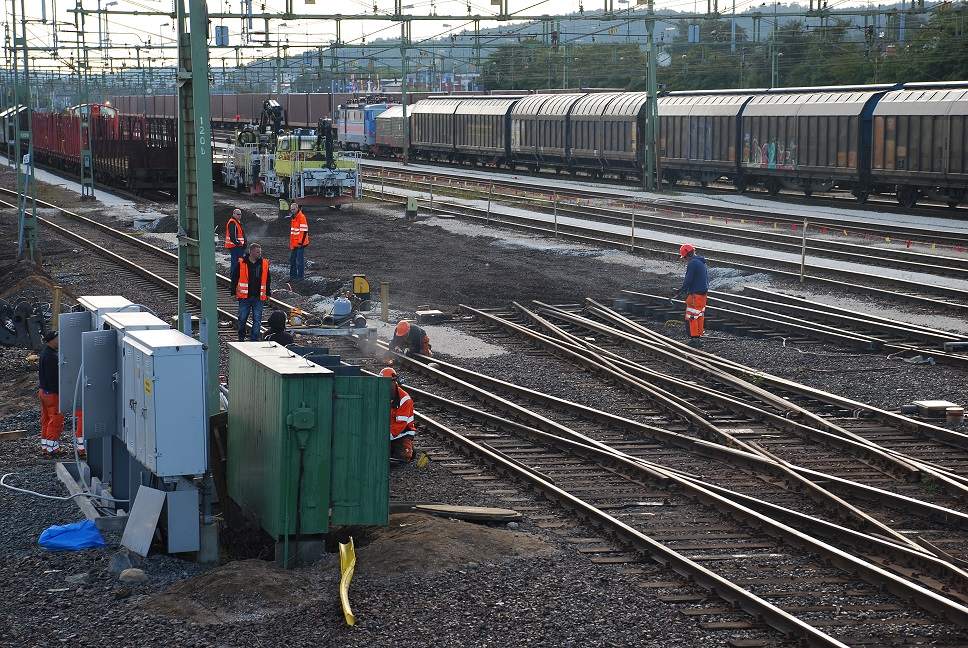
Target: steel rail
x: 724, y: 588
x: 900, y: 586
x: 461, y: 378
x: 813, y: 312
x: 950, y: 437
x: 119, y: 260
x: 663, y: 203
x: 956, y: 484
x: 834, y: 435
x: 915, y: 291
x: 873, y: 320
x: 733, y: 315
x: 576, y: 443
x: 838, y: 438
x: 817, y: 492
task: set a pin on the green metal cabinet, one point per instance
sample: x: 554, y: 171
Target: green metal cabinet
x: 278, y: 402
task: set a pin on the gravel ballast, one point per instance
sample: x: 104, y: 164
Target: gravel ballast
x: 535, y: 591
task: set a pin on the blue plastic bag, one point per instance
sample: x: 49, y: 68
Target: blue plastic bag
x: 71, y: 537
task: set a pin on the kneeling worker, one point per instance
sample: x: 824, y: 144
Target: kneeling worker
x: 402, y: 429
x: 410, y: 339
x: 277, y: 330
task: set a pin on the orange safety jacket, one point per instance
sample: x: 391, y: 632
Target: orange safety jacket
x: 401, y: 416
x: 242, y: 289
x: 298, y: 231
x: 240, y: 236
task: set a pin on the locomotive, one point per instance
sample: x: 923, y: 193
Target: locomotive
x: 355, y: 122
x: 297, y: 164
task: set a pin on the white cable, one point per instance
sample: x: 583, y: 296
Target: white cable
x: 56, y: 497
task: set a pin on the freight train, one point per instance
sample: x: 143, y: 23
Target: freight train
x: 909, y: 140
x: 906, y: 140
x: 131, y: 151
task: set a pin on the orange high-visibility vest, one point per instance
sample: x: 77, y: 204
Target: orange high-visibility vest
x: 297, y: 229
x: 401, y: 417
x: 242, y: 289
x: 241, y: 236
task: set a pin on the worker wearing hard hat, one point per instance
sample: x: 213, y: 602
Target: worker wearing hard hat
x: 402, y: 429
x: 410, y: 339
x: 695, y: 286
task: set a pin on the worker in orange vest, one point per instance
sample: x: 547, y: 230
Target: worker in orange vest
x: 252, y: 285
x: 298, y: 242
x: 402, y: 429
x: 235, y: 237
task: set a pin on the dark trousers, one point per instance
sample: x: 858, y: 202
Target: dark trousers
x: 254, y: 306
x: 297, y: 264
x: 236, y: 253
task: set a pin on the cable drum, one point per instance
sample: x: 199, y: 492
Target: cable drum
x: 246, y: 136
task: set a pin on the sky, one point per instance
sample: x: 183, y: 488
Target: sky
x: 132, y: 26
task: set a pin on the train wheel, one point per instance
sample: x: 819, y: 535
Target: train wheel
x: 953, y: 203
x: 808, y: 192
x: 772, y: 187
x: 907, y: 196
x: 740, y: 184
x: 862, y: 197
x: 703, y: 183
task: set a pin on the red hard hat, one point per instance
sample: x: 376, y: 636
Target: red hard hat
x: 686, y: 249
x: 403, y: 328
x: 388, y: 372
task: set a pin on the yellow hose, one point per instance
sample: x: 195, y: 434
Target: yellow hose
x: 347, y: 565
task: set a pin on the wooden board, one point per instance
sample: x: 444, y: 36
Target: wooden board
x: 469, y: 513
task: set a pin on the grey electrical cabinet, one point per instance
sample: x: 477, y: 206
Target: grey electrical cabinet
x: 164, y: 401
x: 103, y: 369
x: 71, y: 326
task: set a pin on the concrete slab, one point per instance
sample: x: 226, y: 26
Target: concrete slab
x: 143, y: 521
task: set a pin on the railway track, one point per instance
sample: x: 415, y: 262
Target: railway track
x: 755, y: 536
x: 754, y: 560
x: 759, y: 313
x: 148, y: 267
x: 604, y: 200
x: 937, y: 280
x: 628, y: 193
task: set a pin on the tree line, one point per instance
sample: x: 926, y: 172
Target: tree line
x: 922, y: 47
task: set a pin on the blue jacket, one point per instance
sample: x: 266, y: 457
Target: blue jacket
x: 695, y: 280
